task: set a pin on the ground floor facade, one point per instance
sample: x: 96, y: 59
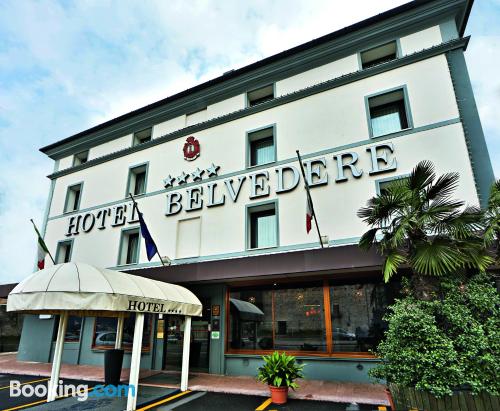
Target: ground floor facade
x: 330, y: 319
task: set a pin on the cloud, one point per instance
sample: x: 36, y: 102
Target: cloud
x: 66, y: 66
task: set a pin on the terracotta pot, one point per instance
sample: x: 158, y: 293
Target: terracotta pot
x: 279, y: 395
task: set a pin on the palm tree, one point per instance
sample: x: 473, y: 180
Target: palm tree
x: 415, y: 223
x: 492, y: 221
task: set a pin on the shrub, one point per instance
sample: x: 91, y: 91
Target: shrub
x: 447, y: 343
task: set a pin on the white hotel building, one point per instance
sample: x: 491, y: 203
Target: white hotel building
x: 215, y: 173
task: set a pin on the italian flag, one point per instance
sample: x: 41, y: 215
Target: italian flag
x: 309, y: 214
x: 42, y: 249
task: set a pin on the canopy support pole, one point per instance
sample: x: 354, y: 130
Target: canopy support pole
x: 56, y: 362
x: 185, y: 353
x: 119, y: 331
x: 135, y: 363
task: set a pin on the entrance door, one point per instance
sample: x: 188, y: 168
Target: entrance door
x: 173, y: 340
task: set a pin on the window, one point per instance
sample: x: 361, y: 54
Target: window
x: 379, y: 54
x: 383, y: 185
x: 129, y: 247
x: 73, y: 329
x: 142, y: 137
x: 137, y: 180
x: 260, y: 95
x: 388, y: 113
x: 73, y: 196
x: 80, y: 158
x: 263, y: 224
x: 261, y: 147
x: 289, y: 317
x: 63, y: 252
x: 322, y: 317
x: 105, y: 332
x: 357, y: 312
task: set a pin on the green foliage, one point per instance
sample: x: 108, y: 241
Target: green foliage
x: 416, y: 222
x: 280, y: 370
x: 492, y: 221
x: 452, y: 342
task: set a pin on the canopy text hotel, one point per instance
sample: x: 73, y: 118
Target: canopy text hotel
x: 215, y: 173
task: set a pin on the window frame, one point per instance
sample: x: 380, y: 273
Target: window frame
x: 135, y: 139
x: 399, y: 52
x: 129, y: 178
x: 261, y: 206
x: 326, y: 283
x: 247, y: 99
x: 76, y: 156
x: 125, y: 232
x: 406, y: 102
x: 248, y: 145
x: 62, y: 243
x: 68, y: 189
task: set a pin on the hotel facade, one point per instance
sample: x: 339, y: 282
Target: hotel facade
x: 215, y: 173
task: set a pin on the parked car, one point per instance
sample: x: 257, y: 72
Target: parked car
x: 341, y: 334
x: 109, y: 338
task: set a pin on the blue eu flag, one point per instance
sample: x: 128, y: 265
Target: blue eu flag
x: 151, y: 249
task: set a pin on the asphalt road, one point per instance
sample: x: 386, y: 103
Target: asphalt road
x: 208, y: 401
x: 155, y: 398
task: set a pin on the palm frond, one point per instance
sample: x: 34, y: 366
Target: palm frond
x: 443, y: 187
x: 421, y: 176
x: 437, y: 257
x: 368, y: 239
x: 391, y: 264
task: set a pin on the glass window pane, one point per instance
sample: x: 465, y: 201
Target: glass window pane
x: 300, y: 319
x: 105, y: 332
x: 73, y: 329
x: 262, y: 151
x: 357, y: 311
x: 140, y: 180
x: 385, y: 120
x: 251, y: 319
x: 263, y: 229
x: 133, y: 243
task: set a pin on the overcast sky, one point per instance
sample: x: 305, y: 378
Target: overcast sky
x: 66, y: 66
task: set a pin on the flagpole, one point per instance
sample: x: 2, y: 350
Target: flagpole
x: 38, y: 232
x: 309, y: 198
x: 137, y: 208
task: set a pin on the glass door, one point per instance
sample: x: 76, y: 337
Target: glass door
x: 173, y: 340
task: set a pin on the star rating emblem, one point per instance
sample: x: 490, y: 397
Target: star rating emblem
x: 168, y: 182
x: 196, y: 174
x: 212, y: 170
x: 182, y: 179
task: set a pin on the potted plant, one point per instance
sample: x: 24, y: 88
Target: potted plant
x: 279, y: 372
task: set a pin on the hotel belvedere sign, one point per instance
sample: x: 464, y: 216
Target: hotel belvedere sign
x: 215, y: 193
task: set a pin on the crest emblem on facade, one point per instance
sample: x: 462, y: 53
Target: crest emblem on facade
x: 191, y: 149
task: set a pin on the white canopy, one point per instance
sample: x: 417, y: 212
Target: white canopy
x: 82, y: 287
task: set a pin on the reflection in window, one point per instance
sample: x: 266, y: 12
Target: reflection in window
x: 357, y: 311
x: 73, y: 329
x: 289, y: 318
x: 251, y: 320
x: 105, y: 332
x: 300, y: 319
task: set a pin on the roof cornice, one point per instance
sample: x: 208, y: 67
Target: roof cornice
x: 398, y: 21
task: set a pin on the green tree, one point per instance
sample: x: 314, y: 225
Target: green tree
x: 492, y: 221
x: 416, y: 223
